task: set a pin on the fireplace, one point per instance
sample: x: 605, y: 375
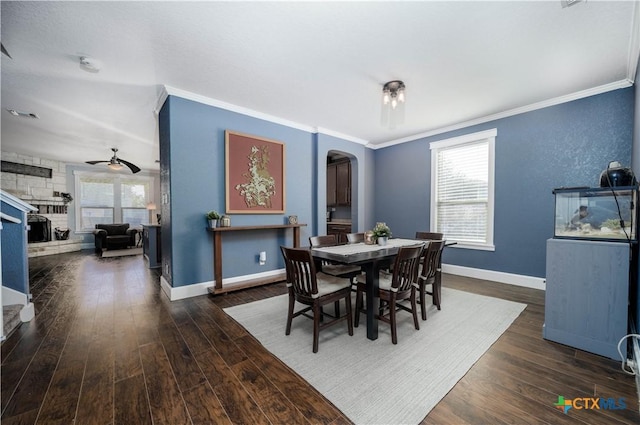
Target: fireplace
x: 39, y: 228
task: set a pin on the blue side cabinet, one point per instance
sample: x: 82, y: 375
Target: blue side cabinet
x: 587, y: 294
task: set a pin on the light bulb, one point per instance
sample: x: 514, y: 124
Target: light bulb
x: 385, y: 98
x: 401, y: 96
x: 394, y: 103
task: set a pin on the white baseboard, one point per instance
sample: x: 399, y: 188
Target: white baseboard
x: 202, y: 288
x: 11, y: 297
x: 509, y: 278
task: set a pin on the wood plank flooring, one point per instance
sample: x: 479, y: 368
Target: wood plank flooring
x: 107, y: 347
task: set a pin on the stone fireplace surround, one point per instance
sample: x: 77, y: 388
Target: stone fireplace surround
x: 39, y: 191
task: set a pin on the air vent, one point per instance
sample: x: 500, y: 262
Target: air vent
x: 16, y: 113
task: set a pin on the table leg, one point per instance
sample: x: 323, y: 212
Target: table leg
x: 217, y: 259
x: 373, y: 302
x: 296, y: 237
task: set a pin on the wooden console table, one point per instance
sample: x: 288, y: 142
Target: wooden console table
x: 217, y: 255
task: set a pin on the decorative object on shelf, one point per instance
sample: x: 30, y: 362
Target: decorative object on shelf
x: 382, y: 232
x: 62, y: 234
x: 293, y: 219
x: 66, y: 197
x: 158, y: 217
x: 393, y: 98
x: 254, y: 174
x: 369, y: 237
x: 212, y: 217
x: 225, y: 221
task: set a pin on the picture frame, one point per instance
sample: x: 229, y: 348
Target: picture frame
x: 254, y: 174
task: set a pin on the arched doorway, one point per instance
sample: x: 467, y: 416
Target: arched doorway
x: 340, y: 194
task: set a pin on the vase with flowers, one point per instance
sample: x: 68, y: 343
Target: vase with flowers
x: 382, y: 233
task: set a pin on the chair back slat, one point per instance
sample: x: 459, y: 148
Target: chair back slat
x: 432, y: 259
x: 405, y: 268
x: 324, y: 240
x: 301, y: 271
x: 355, y: 237
x: 432, y: 236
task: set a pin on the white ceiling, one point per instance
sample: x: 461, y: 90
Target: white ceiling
x: 319, y: 65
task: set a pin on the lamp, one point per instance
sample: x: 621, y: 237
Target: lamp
x: 151, y: 206
x: 393, y: 98
x: 114, y: 166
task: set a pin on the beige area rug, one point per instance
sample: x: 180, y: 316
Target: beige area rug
x: 121, y: 252
x: 375, y: 382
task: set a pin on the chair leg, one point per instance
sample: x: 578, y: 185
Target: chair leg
x: 356, y: 314
x: 414, y: 309
x: 337, y: 308
x: 316, y: 326
x: 292, y: 302
x: 347, y: 301
x: 423, y: 307
x: 437, y: 290
x: 392, y: 319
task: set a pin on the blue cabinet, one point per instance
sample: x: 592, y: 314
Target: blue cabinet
x: 587, y: 294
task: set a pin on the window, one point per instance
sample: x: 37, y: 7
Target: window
x: 462, y: 170
x: 103, y: 198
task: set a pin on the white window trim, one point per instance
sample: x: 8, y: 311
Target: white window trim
x: 78, y: 174
x: 490, y: 136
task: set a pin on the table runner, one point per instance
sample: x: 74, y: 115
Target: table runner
x: 359, y: 247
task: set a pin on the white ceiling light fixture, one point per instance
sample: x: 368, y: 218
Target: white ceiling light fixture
x: 22, y: 114
x: 393, y: 99
x: 90, y: 64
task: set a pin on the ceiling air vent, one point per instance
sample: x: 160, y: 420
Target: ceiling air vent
x: 567, y: 3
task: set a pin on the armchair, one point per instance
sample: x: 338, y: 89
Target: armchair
x: 114, y: 236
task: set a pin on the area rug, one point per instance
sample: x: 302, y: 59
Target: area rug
x: 121, y: 252
x: 376, y: 382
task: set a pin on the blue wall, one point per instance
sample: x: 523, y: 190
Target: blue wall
x: 15, y: 272
x: 192, y: 148
x: 563, y: 145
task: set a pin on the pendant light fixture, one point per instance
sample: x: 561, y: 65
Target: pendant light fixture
x: 393, y: 98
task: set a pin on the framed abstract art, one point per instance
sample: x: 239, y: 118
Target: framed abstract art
x: 254, y: 174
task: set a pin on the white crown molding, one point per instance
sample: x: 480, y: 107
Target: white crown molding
x: 172, y: 91
x: 341, y: 136
x: 534, y: 106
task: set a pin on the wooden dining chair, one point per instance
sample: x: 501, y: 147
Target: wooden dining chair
x: 433, y: 236
x: 339, y: 270
x: 430, y: 273
x: 355, y: 237
x: 314, y: 289
x: 395, y: 287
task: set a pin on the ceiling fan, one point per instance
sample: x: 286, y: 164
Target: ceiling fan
x: 115, y: 163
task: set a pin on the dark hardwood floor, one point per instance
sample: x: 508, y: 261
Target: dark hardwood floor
x: 107, y: 347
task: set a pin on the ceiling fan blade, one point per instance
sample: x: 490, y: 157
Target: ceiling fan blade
x: 134, y: 168
x: 4, y: 51
x: 94, y: 162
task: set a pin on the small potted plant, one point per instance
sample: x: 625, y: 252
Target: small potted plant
x: 382, y: 232
x: 212, y: 217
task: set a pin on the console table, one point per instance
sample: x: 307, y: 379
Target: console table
x: 217, y: 255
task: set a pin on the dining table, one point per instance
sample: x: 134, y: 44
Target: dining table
x: 370, y: 258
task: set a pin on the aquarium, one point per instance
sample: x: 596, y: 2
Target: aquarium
x: 596, y: 213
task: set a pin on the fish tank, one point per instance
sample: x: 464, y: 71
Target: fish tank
x: 607, y: 214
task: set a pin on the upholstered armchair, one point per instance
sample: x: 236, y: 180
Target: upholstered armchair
x: 114, y: 236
